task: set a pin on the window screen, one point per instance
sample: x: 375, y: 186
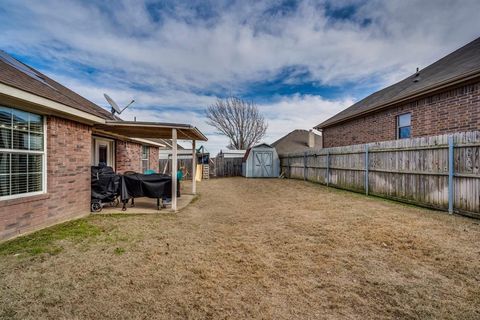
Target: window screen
x: 404, y: 126
x: 21, y: 152
x: 145, y: 156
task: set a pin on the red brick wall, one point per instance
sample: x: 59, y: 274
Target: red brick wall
x: 68, y: 184
x: 455, y: 110
x: 153, y: 163
x: 129, y: 157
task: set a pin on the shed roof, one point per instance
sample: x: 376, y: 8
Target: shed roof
x: 460, y: 65
x: 247, y: 153
x: 295, y: 141
x: 261, y: 145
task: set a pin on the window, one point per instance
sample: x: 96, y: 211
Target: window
x: 22, y: 152
x: 404, y: 126
x: 145, y: 156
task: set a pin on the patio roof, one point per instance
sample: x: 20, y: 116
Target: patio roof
x: 147, y: 130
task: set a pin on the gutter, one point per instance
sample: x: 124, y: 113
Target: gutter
x: 433, y: 88
x: 49, y: 105
x: 111, y: 135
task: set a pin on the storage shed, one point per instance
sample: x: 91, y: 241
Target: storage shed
x: 261, y: 161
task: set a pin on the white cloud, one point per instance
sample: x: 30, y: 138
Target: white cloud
x: 299, y: 112
x: 184, y: 60
x: 283, y: 116
x: 244, y: 44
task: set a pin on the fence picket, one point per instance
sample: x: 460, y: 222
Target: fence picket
x: 441, y: 172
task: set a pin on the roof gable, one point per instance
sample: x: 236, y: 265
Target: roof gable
x: 262, y: 145
x: 296, y: 141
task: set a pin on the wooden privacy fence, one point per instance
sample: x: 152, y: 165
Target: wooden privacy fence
x: 165, y: 166
x: 441, y: 172
x: 228, y: 167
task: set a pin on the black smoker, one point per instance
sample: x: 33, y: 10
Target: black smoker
x: 105, y: 187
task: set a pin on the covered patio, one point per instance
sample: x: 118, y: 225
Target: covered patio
x: 149, y: 206
x: 158, y: 130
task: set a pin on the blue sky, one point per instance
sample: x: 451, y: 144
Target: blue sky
x: 300, y: 61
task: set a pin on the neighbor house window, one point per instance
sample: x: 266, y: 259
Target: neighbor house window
x: 22, y: 152
x: 404, y: 126
x: 145, y: 156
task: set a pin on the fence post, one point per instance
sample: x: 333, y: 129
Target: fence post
x: 328, y: 168
x: 305, y: 166
x: 288, y: 166
x: 451, y: 165
x: 366, y: 169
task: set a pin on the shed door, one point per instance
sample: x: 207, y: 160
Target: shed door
x: 262, y: 163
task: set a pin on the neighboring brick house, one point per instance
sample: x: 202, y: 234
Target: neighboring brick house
x: 49, y: 138
x: 442, y: 98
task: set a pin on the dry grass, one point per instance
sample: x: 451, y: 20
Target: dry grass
x: 265, y: 249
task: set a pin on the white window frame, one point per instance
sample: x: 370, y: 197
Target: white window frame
x: 44, y: 161
x: 142, y: 158
x: 110, y: 150
x: 398, y: 125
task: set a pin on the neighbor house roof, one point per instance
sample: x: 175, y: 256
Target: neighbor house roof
x: 459, y: 66
x: 295, y: 141
x: 17, y: 74
x: 232, y: 153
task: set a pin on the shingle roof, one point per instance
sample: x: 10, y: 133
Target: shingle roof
x: 46, y: 87
x: 295, y: 141
x: 455, y: 66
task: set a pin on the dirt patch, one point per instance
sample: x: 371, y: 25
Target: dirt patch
x: 264, y: 249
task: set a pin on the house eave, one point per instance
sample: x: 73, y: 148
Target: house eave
x: 46, y: 106
x: 429, y: 90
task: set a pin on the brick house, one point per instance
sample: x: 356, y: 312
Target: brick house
x: 442, y: 98
x: 49, y: 138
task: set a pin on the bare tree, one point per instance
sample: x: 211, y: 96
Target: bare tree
x: 239, y: 120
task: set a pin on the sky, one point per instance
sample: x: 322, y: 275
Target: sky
x: 301, y: 62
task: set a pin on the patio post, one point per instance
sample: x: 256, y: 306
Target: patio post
x: 174, y: 169
x: 194, y: 167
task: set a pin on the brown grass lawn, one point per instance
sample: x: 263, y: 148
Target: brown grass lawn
x: 263, y: 249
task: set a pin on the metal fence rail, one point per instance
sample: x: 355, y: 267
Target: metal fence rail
x: 441, y: 172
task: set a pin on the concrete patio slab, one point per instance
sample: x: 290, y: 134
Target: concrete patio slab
x: 148, y: 206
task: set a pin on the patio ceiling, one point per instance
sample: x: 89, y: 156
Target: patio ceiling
x: 151, y: 130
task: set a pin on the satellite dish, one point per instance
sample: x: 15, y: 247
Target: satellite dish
x: 114, y: 105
